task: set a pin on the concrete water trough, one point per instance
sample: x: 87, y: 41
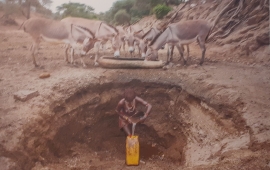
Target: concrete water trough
x: 112, y: 62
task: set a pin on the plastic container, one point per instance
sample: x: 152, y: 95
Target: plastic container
x: 132, y: 150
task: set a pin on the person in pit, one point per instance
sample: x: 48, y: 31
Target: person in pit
x: 126, y: 109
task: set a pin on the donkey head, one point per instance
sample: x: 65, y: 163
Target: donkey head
x: 132, y: 38
x: 145, y: 38
x: 151, y: 54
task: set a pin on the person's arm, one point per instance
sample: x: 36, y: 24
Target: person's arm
x: 119, y: 110
x: 148, y: 110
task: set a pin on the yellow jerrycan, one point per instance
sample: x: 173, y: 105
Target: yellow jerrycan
x: 132, y: 150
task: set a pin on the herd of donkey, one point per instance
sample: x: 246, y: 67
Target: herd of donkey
x: 81, y: 35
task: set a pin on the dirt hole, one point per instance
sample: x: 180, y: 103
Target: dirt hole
x: 86, y: 125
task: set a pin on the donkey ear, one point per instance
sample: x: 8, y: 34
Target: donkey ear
x: 137, y: 32
x: 86, y: 40
x: 123, y: 38
x: 137, y: 38
x: 149, y: 47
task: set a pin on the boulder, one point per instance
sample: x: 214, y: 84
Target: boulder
x: 44, y: 75
x: 24, y: 95
x: 263, y: 39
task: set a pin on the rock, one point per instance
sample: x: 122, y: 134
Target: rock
x: 193, y: 66
x: 161, y: 157
x: 141, y: 161
x: 24, y: 95
x: 44, y: 75
x: 193, y: 5
x: 263, y: 39
x: 165, y: 68
x: 170, y: 65
x: 254, y: 47
x: 213, y: 67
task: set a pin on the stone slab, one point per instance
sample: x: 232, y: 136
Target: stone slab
x: 24, y: 95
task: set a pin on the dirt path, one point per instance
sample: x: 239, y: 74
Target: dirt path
x: 227, y: 120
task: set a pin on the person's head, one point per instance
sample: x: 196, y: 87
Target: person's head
x: 129, y: 94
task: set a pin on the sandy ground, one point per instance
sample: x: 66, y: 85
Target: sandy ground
x: 228, y: 125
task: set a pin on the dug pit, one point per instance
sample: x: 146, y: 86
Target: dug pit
x: 82, y: 131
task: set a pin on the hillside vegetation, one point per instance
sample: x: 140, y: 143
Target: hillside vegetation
x: 241, y: 32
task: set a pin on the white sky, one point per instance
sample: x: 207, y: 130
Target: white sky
x: 98, y: 5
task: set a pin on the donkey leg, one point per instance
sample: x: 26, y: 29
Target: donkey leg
x: 72, y: 56
x: 181, y: 53
x: 124, y: 48
x: 139, y: 50
x: 96, y: 46
x: 82, y: 61
x: 66, y: 53
x: 168, y: 54
x: 34, y: 51
x: 103, y: 46
x: 187, y: 51
x: 202, y: 45
x: 183, y: 50
x: 171, y: 54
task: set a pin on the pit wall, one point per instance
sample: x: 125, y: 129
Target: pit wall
x: 184, y: 130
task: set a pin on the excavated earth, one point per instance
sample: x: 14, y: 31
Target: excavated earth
x: 209, y: 117
x: 214, y: 116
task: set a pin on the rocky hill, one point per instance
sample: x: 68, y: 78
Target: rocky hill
x: 241, y: 33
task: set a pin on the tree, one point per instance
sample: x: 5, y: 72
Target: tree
x: 161, y: 10
x: 156, y: 2
x: 118, y: 5
x: 40, y: 5
x: 76, y: 10
x: 45, y: 2
x: 141, y: 8
x: 121, y: 17
x: 136, y: 9
x: 9, y: 7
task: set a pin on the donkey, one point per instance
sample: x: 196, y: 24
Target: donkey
x: 121, y: 37
x: 148, y: 37
x: 133, y: 35
x: 181, y: 33
x: 57, y: 32
x: 102, y: 31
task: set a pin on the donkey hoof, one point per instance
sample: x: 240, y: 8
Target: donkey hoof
x: 185, y: 62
